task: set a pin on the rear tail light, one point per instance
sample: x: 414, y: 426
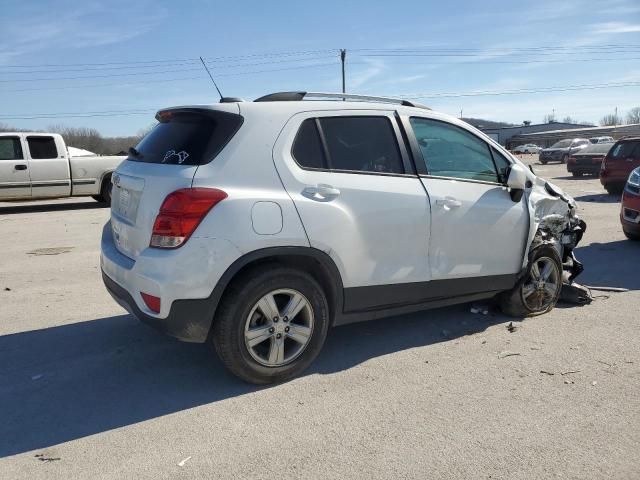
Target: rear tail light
x: 152, y: 302
x: 181, y: 213
x: 571, y: 160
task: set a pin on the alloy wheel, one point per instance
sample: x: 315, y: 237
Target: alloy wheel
x: 541, y: 288
x: 279, y: 327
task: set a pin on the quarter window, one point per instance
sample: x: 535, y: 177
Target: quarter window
x: 502, y: 164
x: 10, y: 148
x: 307, y: 148
x: 350, y: 144
x: 42, y: 147
x: 450, y: 151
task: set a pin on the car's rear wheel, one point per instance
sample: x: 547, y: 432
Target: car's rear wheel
x: 271, y: 324
x: 614, y: 189
x: 539, y: 289
x: 543, y: 162
x: 631, y: 235
x: 576, y: 174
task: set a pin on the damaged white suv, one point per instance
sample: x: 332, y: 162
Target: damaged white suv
x: 256, y: 226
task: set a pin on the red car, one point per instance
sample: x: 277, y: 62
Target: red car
x: 623, y: 157
x: 630, y: 211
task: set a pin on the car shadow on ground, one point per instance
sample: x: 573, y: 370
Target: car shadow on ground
x: 598, y: 198
x: 611, y: 264
x: 6, y: 209
x: 63, y: 383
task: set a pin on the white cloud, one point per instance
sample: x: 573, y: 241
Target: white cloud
x: 615, y: 27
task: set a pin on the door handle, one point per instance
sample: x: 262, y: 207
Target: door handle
x: 321, y: 192
x: 20, y: 167
x: 449, y: 202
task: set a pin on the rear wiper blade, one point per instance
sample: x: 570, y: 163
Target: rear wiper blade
x: 135, y: 153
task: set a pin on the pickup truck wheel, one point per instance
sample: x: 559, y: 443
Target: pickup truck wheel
x: 271, y: 324
x: 539, y: 289
x: 543, y: 162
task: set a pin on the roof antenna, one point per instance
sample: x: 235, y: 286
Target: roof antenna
x: 211, y: 77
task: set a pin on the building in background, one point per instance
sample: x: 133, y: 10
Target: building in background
x: 506, y: 135
x: 547, y: 138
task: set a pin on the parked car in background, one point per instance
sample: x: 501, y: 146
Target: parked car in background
x: 562, y: 150
x: 622, y: 158
x: 601, y: 140
x: 256, y: 226
x: 37, y: 165
x: 528, y: 148
x: 588, y: 160
x: 630, y: 208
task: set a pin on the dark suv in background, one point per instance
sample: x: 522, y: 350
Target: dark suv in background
x: 623, y: 157
x: 560, y: 151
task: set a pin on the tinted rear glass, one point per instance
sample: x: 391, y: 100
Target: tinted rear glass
x: 10, y: 148
x: 602, y: 148
x: 187, y: 138
x: 307, y: 149
x: 42, y: 147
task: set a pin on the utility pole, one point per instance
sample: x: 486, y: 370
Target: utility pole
x: 343, y: 56
x: 461, y: 114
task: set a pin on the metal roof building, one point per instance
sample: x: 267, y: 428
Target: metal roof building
x: 504, y: 135
x: 548, y: 138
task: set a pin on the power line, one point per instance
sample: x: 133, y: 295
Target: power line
x: 523, y: 91
x: 106, y: 113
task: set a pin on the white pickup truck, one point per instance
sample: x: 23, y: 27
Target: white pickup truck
x: 37, y: 165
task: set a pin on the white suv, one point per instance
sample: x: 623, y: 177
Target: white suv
x: 258, y: 225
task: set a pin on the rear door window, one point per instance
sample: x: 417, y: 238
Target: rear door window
x: 361, y: 144
x: 186, y: 138
x: 10, y: 148
x: 42, y: 147
x: 450, y: 151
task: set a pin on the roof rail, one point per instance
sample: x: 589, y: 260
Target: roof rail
x: 297, y: 96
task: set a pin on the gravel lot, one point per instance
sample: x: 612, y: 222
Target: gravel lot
x: 86, y: 391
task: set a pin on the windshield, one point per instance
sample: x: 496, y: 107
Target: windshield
x: 186, y: 138
x: 562, y: 144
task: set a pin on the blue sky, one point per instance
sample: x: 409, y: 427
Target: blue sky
x: 140, y: 55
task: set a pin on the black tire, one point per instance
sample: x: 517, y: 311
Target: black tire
x: 513, y: 302
x: 98, y: 198
x: 614, y: 189
x: 631, y: 236
x: 564, y: 159
x: 576, y: 174
x: 228, y: 335
x: 105, y: 191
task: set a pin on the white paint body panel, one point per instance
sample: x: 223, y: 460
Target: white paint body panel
x: 476, y: 229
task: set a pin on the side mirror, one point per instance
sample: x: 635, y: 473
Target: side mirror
x: 517, y: 182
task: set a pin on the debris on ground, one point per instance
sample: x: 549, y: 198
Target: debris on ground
x: 546, y: 372
x: 482, y: 309
x: 576, y: 294
x: 535, y: 347
x: 507, y: 353
x: 608, y: 289
x: 511, y: 327
x: 594, y: 383
x: 7, y: 289
x: 43, y: 458
x: 182, y: 462
x: 569, y: 372
x: 50, y: 251
x: 569, y: 382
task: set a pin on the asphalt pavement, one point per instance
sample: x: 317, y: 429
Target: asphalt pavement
x: 86, y: 391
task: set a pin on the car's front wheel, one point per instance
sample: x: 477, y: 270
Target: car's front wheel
x: 271, y: 324
x: 539, y: 289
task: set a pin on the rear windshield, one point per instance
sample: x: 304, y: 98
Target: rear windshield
x: 597, y: 148
x: 186, y: 138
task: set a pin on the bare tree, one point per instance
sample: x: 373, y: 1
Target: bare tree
x: 633, y: 116
x: 80, y: 137
x: 568, y: 119
x: 610, y: 119
x: 549, y: 118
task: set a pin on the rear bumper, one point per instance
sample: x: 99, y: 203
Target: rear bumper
x: 584, y: 168
x: 630, y: 212
x: 188, y: 320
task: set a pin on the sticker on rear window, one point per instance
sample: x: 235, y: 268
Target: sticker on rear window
x: 171, y: 156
